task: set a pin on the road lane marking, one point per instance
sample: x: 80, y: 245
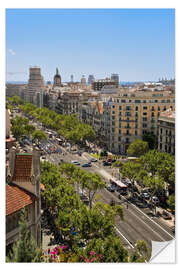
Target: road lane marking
x: 152, y: 220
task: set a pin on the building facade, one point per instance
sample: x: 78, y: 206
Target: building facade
x: 166, y: 132
x: 115, y: 78
x: 35, y: 85
x: 99, y: 84
x: 23, y: 190
x: 128, y: 116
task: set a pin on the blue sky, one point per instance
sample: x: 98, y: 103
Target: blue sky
x: 138, y: 44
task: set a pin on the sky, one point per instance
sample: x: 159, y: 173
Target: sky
x: 137, y: 44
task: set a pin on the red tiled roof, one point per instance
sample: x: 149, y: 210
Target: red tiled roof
x: 17, y: 198
x: 22, y: 169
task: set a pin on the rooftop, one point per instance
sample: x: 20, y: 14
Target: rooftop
x: 17, y: 198
x: 23, y: 166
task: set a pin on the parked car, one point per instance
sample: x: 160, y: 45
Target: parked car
x: 155, y: 200
x: 75, y: 162
x: 166, y: 215
x: 122, y: 192
x: 145, y: 195
x: 86, y: 165
x: 93, y: 159
x: 110, y: 188
x: 106, y: 163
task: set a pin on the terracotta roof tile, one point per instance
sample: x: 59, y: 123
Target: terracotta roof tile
x: 17, y: 198
x: 22, y: 169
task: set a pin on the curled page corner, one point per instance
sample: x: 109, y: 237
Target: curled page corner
x: 163, y: 252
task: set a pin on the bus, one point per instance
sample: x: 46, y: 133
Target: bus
x: 120, y: 186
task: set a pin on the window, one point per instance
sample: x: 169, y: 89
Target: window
x: 123, y: 101
x: 158, y: 114
x: 144, y: 101
x: 128, y: 108
x: 129, y: 100
x: 127, y: 140
x: 152, y: 114
x: 113, y: 129
x: 120, y: 113
x: 119, y: 139
x: 144, y: 107
x: 119, y: 107
x: 128, y: 114
x: 144, y: 118
x: 136, y: 126
x: 156, y: 101
x: 144, y: 125
x: 136, y: 132
x: 113, y: 112
x: 136, y: 114
x: 159, y: 108
x: 161, y: 130
x: 113, y: 117
x: 164, y: 108
x: 137, y: 101
x: 144, y: 113
x: 113, y: 123
x: 136, y: 108
x: 160, y: 146
x: 152, y: 108
x: 113, y: 106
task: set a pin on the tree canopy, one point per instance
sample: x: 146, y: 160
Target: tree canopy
x: 137, y: 148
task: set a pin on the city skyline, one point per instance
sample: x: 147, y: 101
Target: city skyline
x: 137, y: 44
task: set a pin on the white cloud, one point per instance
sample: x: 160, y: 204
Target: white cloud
x: 11, y: 52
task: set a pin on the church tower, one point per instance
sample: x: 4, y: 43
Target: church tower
x: 57, y: 79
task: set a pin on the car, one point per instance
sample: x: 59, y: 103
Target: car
x: 106, y: 163
x: 93, y: 160
x: 166, y: 215
x: 145, y: 195
x: 110, y: 188
x: 155, y: 200
x: 86, y: 165
x: 75, y: 162
x: 122, y: 192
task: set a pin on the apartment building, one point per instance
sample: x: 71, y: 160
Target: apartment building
x: 99, y: 84
x: 166, y: 132
x: 129, y: 115
x: 70, y: 102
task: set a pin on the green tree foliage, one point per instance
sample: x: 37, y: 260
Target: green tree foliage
x: 171, y: 202
x: 39, y: 135
x: 131, y: 170
x: 110, y: 249
x: 67, y: 126
x: 141, y: 252
x: 151, y: 139
x: 137, y: 148
x: 69, y: 211
x: 25, y: 249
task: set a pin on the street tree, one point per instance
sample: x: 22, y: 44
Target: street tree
x: 39, y: 135
x: 108, y: 250
x: 131, y: 170
x: 137, y: 148
x: 91, y: 182
x: 171, y: 202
